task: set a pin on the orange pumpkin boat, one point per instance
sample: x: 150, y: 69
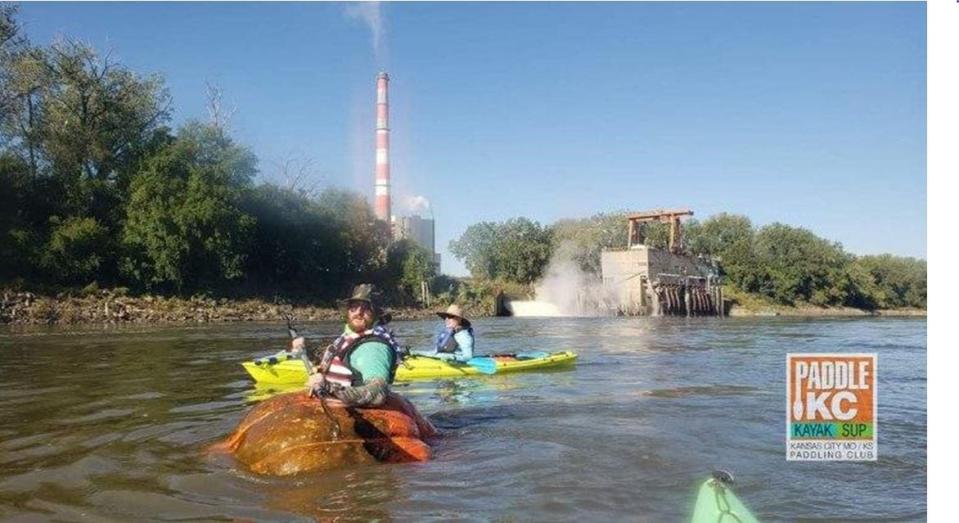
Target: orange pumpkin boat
x: 290, y: 433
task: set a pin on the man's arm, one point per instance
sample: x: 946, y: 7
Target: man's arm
x: 371, y: 394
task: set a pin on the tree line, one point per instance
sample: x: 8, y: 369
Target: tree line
x: 97, y: 189
x: 789, y: 265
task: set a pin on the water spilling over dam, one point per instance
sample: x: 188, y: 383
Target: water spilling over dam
x: 533, y: 308
x: 637, y: 280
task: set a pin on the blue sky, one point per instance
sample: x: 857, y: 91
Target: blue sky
x: 809, y: 114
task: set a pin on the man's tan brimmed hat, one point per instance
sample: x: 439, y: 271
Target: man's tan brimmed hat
x: 454, y: 311
x: 367, y: 293
x: 362, y: 292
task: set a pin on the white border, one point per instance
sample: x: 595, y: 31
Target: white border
x: 942, y: 84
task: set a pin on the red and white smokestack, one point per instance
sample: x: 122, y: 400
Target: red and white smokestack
x: 382, y: 148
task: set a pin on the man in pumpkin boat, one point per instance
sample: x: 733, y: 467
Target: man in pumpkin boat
x: 356, y: 370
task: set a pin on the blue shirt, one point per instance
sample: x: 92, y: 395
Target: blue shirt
x: 463, y: 352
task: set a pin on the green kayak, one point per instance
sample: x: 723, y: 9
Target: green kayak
x: 716, y: 502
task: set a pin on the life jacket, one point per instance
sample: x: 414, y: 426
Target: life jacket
x: 342, y: 373
x: 446, y: 341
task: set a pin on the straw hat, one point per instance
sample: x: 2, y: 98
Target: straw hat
x: 454, y: 311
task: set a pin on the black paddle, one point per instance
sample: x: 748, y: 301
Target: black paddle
x: 324, y: 366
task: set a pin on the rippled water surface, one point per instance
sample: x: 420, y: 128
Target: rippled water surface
x: 111, y: 424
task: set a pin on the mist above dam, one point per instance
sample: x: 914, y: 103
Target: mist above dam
x: 564, y: 290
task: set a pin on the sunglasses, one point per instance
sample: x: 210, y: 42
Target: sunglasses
x: 358, y: 306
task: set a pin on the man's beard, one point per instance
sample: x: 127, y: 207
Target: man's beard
x: 358, y: 324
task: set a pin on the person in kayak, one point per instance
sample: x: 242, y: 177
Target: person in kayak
x: 456, y: 341
x: 358, y: 368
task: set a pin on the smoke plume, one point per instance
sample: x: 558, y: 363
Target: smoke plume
x: 417, y: 205
x: 370, y: 14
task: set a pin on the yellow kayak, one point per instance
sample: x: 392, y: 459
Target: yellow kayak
x: 292, y: 371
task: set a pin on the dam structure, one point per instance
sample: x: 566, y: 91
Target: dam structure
x: 644, y: 281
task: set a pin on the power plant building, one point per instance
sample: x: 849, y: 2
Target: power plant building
x: 421, y: 231
x: 416, y: 228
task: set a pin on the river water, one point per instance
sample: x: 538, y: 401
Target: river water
x: 110, y: 424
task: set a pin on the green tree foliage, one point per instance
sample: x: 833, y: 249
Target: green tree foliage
x: 94, y: 186
x: 16, y: 242
x: 184, y: 226
x: 788, y: 264
x: 898, y: 281
x: 590, y: 236
x: 408, y: 265
x: 80, y: 118
x: 655, y: 234
x: 861, y: 288
x: 313, y: 247
x: 476, y: 247
x: 12, y: 44
x: 293, y: 243
x: 363, y: 238
x: 791, y: 265
x: 524, y: 250
x: 727, y: 239
x: 717, y: 235
x: 78, y: 125
x: 516, y: 250
x: 800, y: 266
x: 74, y: 252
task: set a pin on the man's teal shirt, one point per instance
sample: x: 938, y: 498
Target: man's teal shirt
x: 372, y: 359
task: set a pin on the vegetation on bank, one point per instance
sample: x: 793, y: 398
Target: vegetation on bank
x: 778, y: 263
x: 98, y: 192
x: 116, y: 306
x: 96, y: 189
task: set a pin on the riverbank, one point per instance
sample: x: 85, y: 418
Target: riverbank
x: 811, y: 311
x: 745, y: 304
x: 115, y: 307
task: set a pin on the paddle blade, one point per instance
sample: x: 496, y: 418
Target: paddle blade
x: 484, y: 365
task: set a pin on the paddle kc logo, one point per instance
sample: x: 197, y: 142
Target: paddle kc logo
x: 831, y: 407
